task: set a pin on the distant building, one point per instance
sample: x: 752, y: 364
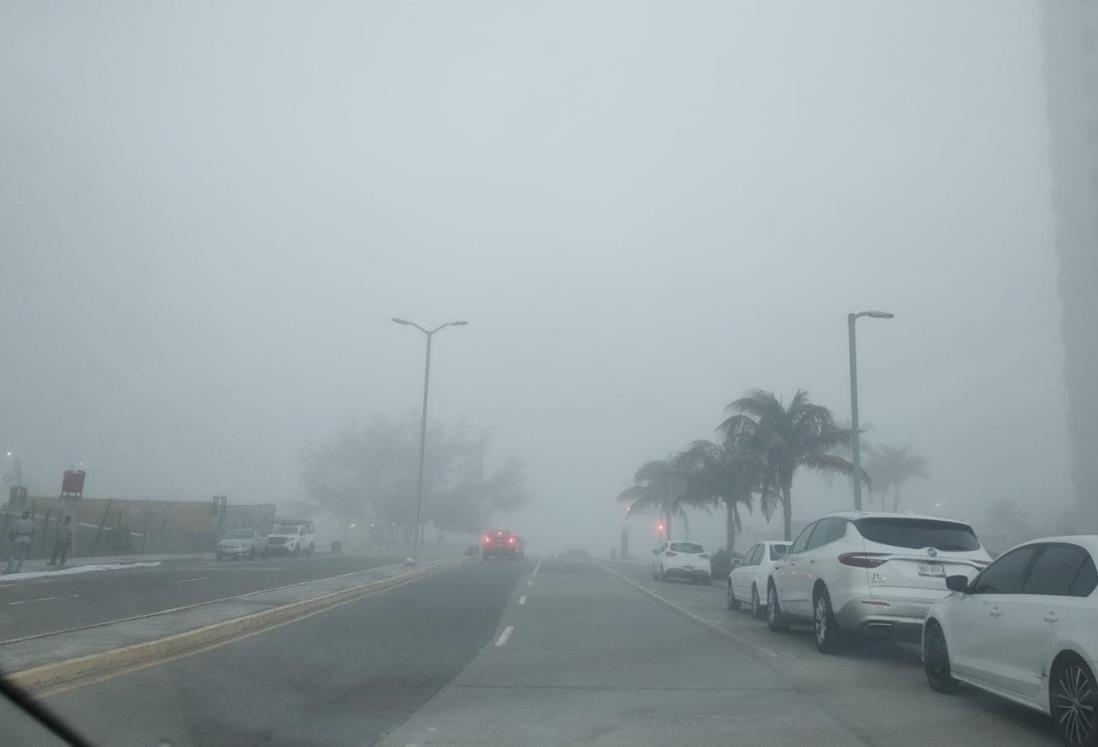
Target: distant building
x: 1070, y: 29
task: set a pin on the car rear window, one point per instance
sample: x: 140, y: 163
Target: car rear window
x: 919, y: 533
x: 686, y: 547
x: 778, y: 551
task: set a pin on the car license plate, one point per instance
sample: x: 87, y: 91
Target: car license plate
x: 932, y: 569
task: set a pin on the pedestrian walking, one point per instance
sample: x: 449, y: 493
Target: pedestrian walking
x: 22, y: 531
x: 64, y: 540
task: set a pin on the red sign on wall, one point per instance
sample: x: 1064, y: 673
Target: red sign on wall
x: 73, y: 482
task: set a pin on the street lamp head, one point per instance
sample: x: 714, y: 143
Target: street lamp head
x: 458, y: 323
x: 879, y: 314
x: 398, y: 320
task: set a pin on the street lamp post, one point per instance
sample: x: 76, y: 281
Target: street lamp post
x: 17, y: 476
x: 430, y: 333
x: 483, y: 433
x: 857, y: 436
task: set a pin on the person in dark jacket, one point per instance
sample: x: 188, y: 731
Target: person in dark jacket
x: 63, y: 541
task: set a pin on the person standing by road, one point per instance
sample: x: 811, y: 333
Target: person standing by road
x: 63, y: 542
x: 22, y: 531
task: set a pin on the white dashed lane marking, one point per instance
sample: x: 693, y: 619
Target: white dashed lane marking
x: 536, y: 569
x: 38, y: 599
x: 188, y: 580
x: 522, y: 599
x: 505, y: 635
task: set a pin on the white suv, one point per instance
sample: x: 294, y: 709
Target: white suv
x: 291, y: 537
x: 869, y: 574
x: 681, y: 560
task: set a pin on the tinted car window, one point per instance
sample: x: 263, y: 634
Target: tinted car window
x: 1003, y: 576
x: 778, y: 551
x: 1055, y: 570
x: 801, y: 542
x: 827, y: 531
x: 756, y: 554
x: 687, y: 547
x: 919, y: 533
x: 1085, y: 580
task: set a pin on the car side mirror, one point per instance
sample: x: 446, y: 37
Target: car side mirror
x: 957, y: 583
x: 736, y: 562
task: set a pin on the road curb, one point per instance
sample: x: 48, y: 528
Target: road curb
x: 53, y: 675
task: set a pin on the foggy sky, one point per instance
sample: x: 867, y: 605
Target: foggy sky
x: 210, y: 211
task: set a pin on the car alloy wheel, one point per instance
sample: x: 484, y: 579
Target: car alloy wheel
x: 756, y: 605
x: 1073, y: 702
x: 827, y: 632
x: 731, y: 600
x: 774, y: 618
x: 939, y: 673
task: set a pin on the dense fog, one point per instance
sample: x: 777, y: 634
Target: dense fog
x: 643, y: 210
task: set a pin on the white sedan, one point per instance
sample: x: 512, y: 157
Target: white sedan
x: 1025, y: 629
x: 747, y: 581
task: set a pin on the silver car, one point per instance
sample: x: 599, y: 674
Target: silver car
x: 869, y: 574
x: 241, y: 543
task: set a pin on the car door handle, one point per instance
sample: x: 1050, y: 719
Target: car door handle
x: 995, y: 612
x: 1051, y: 618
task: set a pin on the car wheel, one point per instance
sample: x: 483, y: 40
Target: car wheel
x: 756, y: 603
x: 296, y: 552
x: 775, y: 620
x: 828, y: 635
x: 310, y: 551
x: 1073, y: 700
x: 731, y: 601
x: 939, y: 674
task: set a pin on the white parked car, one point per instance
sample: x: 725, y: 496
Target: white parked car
x: 869, y: 574
x: 241, y: 543
x: 687, y: 560
x: 291, y: 537
x: 747, y: 581
x: 1025, y: 629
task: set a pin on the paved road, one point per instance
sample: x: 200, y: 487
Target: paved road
x: 345, y: 676
x: 556, y: 653
x: 47, y: 604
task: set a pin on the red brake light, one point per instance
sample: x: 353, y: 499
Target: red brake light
x: 863, y: 559
x: 487, y: 540
x: 670, y: 553
x: 510, y: 540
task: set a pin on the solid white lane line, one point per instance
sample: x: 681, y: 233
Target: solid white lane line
x: 536, y: 569
x: 711, y: 624
x: 505, y: 635
x: 188, y: 580
x: 28, y: 601
x: 522, y: 599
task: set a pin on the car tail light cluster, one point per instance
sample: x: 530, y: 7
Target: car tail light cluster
x: 510, y: 540
x: 670, y: 553
x: 863, y: 559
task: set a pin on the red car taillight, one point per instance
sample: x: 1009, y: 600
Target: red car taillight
x: 670, y: 554
x: 487, y: 540
x: 863, y: 559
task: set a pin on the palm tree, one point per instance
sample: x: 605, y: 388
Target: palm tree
x: 661, y: 485
x: 889, y: 468
x: 722, y: 474
x: 784, y: 439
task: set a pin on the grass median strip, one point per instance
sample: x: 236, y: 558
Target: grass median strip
x: 54, y: 675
